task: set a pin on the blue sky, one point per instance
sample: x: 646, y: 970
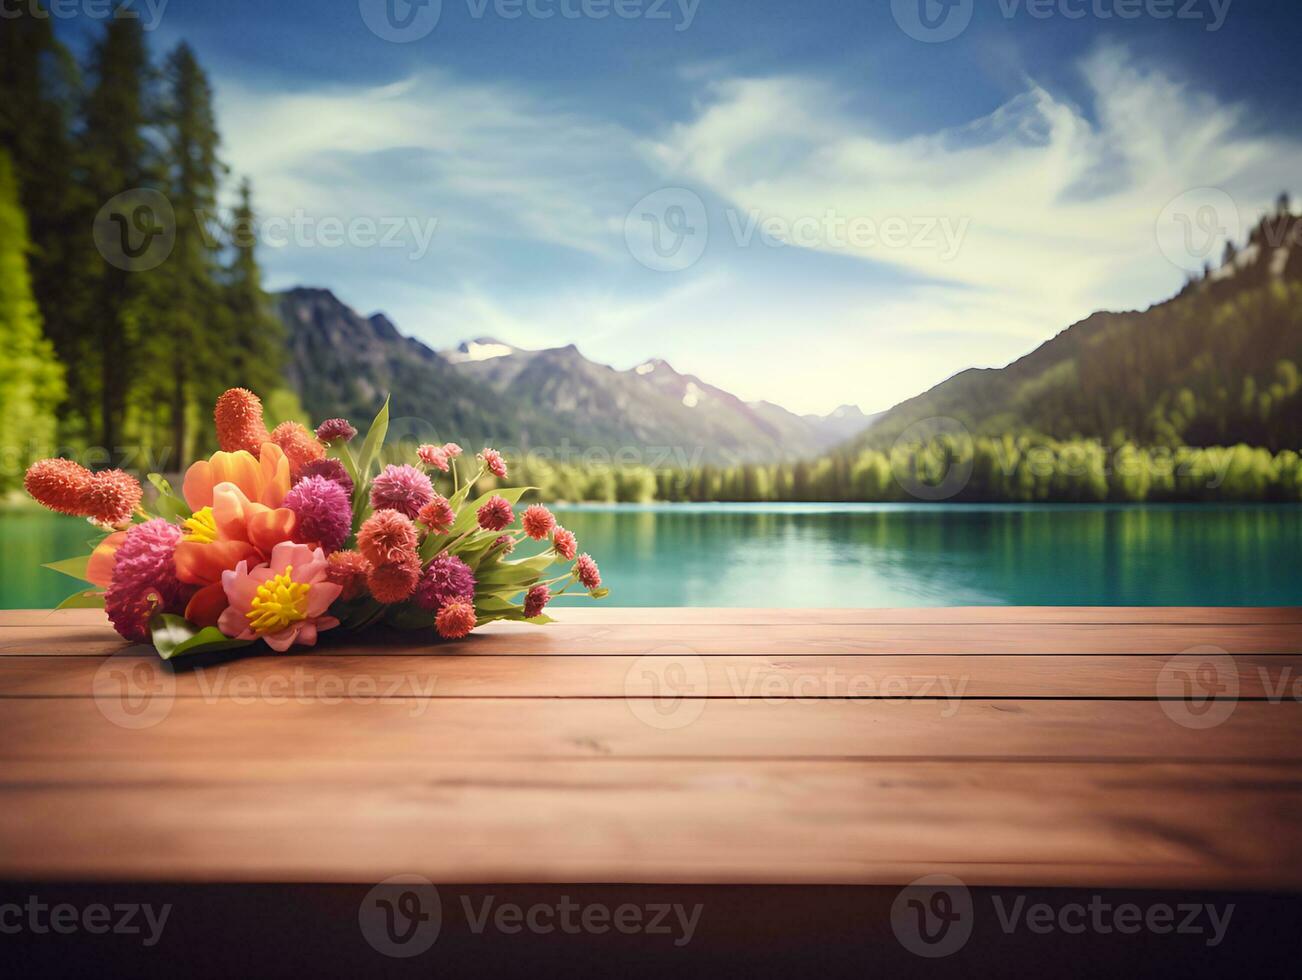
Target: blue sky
x: 844, y: 212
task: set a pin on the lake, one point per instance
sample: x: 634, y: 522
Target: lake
x: 865, y: 554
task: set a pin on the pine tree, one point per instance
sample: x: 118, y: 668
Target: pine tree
x: 31, y: 384
x: 188, y: 347
x: 255, y: 336
x: 116, y: 157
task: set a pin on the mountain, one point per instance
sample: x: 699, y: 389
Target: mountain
x: 1215, y: 365
x: 341, y: 362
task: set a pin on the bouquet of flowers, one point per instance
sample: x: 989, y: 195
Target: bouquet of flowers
x: 287, y: 533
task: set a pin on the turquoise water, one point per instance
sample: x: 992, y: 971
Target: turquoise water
x: 866, y: 555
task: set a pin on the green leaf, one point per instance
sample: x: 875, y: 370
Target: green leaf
x: 169, y: 504
x: 599, y: 593
x: 409, y: 616
x: 72, y: 567
x: 371, y: 446
x: 83, y: 600
x: 175, y: 636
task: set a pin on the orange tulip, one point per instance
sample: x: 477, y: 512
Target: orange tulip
x: 264, y: 480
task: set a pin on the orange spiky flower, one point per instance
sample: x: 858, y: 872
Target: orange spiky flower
x: 59, y: 484
x: 300, y: 445
x: 239, y: 421
x: 112, y: 497
x: 394, y: 582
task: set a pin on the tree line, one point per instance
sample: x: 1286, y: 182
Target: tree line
x: 126, y: 293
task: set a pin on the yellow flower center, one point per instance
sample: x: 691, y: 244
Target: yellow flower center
x: 279, y: 602
x: 202, y: 527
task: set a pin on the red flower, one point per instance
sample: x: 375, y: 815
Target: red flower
x: 455, y: 620
x: 300, y: 445
x: 239, y: 421
x: 111, y: 497
x: 565, y: 543
x: 496, y: 514
x: 59, y: 484
x: 437, y: 515
x: 348, y: 569
x: 494, y: 461
x: 394, y: 582
x: 535, y: 599
x: 538, y: 522
x: 387, y: 537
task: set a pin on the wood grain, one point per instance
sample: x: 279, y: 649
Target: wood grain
x: 1006, y: 746
x: 758, y: 822
x: 772, y: 680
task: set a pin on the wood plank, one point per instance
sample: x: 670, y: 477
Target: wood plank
x: 786, y: 641
x: 1197, y: 825
x: 606, y: 615
x: 766, y: 679
x: 283, y: 728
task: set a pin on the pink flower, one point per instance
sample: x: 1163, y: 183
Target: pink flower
x: 283, y: 601
x: 437, y: 515
x: 331, y: 469
x: 433, y: 456
x: 506, y: 543
x: 447, y: 578
x: 386, y: 537
x: 538, y: 522
x: 336, y: 430
x: 451, y: 450
x: 565, y: 543
x: 325, y: 514
x: 494, y: 461
x: 455, y: 620
x: 402, y: 488
x: 586, y: 569
x: 496, y: 514
x: 144, y: 579
x: 535, y: 599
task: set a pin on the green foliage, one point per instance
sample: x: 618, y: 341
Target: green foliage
x: 31, y: 384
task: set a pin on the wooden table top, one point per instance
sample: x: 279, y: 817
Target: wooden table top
x: 1007, y: 746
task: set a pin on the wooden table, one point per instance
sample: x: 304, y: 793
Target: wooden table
x: 1030, y: 747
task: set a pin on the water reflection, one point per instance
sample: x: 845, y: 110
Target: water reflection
x: 866, y: 555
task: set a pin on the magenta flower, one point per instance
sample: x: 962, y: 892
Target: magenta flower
x: 496, y: 514
x: 331, y: 469
x: 402, y: 488
x: 506, y: 543
x: 535, y: 599
x: 447, y: 578
x: 283, y: 601
x: 335, y: 430
x: 586, y: 569
x: 144, y: 579
x: 325, y: 514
